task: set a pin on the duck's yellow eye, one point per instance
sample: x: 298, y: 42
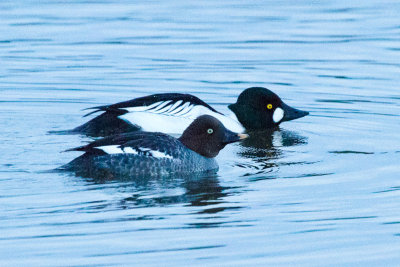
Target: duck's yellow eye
x: 210, y: 131
x: 269, y: 106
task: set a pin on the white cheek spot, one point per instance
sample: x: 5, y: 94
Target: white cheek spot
x: 278, y: 115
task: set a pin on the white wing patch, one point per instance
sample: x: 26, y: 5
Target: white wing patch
x: 278, y: 115
x: 173, y: 117
x: 116, y: 149
x: 158, y: 154
x: 129, y: 150
x: 111, y: 149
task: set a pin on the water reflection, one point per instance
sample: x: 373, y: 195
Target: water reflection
x: 264, y: 148
x: 273, y: 138
x: 196, y: 190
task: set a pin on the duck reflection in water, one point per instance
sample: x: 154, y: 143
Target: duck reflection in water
x: 198, y: 191
x: 203, y: 192
x: 263, y: 148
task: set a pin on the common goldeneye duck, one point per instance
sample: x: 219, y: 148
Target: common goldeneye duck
x: 139, y: 154
x: 257, y: 108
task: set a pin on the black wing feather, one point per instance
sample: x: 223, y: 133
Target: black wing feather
x: 132, y: 139
x: 109, y: 123
x: 151, y: 99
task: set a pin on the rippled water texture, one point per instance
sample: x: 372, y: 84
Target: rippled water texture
x: 322, y: 190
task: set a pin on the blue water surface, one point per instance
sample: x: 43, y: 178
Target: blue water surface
x: 321, y: 190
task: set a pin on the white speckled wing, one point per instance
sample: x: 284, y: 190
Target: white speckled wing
x: 116, y: 149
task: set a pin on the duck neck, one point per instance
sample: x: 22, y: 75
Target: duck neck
x: 196, y: 146
x: 187, y: 142
x: 246, y: 117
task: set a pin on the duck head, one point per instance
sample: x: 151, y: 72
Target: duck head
x: 207, y: 136
x: 258, y: 108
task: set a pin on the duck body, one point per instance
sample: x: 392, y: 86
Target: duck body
x: 257, y: 108
x: 147, y: 154
x: 139, y: 154
x: 169, y: 113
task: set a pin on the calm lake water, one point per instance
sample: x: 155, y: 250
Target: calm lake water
x: 322, y: 190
